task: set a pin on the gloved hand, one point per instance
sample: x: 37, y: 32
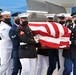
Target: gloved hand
x: 36, y: 40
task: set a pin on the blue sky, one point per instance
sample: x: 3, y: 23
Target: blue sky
x: 13, y: 5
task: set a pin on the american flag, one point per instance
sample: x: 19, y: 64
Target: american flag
x: 51, y: 34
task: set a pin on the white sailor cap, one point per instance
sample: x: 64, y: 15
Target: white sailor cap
x: 6, y: 12
x: 23, y: 15
x: 61, y: 14
x: 68, y: 15
x: 50, y: 15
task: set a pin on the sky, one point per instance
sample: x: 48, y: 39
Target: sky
x: 13, y: 5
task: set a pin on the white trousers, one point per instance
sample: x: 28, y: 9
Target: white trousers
x: 41, y: 64
x: 28, y: 66
x: 0, y: 52
x: 0, y: 61
x: 6, y: 64
x: 61, y: 61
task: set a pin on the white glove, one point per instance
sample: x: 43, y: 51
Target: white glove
x: 36, y: 40
x: 70, y: 42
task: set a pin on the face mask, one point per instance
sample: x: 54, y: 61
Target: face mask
x: 17, y: 21
x: 24, y: 23
x: 7, y: 20
x: 62, y: 22
x: 75, y: 21
x: 69, y: 21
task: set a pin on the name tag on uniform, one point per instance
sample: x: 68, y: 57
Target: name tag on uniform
x: 22, y: 43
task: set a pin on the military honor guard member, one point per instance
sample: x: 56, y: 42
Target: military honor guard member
x: 43, y: 52
x: 0, y: 37
x: 70, y: 54
x: 27, y: 50
x: 15, y: 42
x: 61, y: 19
x: 53, y: 53
x: 6, y: 46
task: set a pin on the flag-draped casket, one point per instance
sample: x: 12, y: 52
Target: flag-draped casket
x: 51, y: 34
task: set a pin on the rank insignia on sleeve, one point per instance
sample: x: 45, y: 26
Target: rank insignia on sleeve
x: 14, y: 36
x: 21, y: 33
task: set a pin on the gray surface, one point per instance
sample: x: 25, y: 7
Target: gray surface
x: 36, y: 5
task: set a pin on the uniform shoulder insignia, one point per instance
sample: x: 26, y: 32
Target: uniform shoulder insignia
x: 21, y: 33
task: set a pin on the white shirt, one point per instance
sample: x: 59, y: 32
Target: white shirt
x: 6, y: 43
x: 73, y: 25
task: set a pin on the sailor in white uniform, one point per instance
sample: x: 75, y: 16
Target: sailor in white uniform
x: 6, y: 46
x: 0, y: 38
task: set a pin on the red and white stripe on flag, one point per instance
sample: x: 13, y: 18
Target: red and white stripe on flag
x: 51, y: 34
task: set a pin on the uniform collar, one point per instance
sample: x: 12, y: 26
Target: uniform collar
x: 16, y: 24
x: 3, y: 23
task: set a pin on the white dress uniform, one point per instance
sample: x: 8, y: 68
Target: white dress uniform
x: 6, y: 49
x: 0, y: 51
x: 0, y: 55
